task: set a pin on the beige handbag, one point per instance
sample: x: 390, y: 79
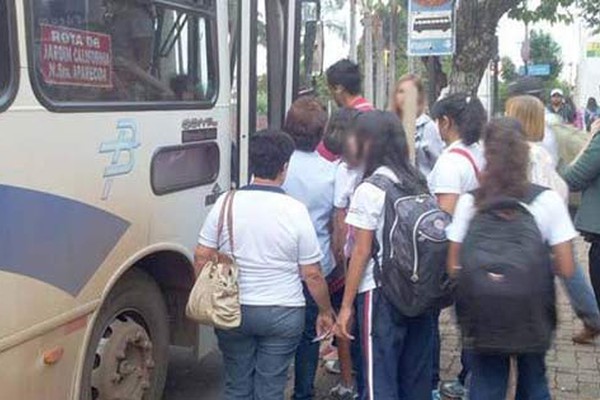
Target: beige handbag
x: 215, y: 297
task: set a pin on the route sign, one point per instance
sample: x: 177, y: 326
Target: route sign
x: 431, y: 28
x: 536, y: 70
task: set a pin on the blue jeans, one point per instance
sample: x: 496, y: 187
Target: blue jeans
x: 307, y: 354
x: 489, y: 379
x: 397, y: 350
x: 582, y: 298
x: 258, y: 354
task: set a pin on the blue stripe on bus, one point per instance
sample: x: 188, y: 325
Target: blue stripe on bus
x: 56, y: 240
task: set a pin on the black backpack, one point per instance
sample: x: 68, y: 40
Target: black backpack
x: 412, y: 275
x: 505, y: 299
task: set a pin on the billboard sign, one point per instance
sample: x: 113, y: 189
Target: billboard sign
x: 431, y: 28
x: 592, y: 49
x: 536, y: 70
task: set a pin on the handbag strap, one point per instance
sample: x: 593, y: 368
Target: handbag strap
x: 227, y: 212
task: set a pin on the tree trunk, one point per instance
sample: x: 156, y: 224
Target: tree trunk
x: 353, y: 43
x: 380, y: 75
x: 476, y: 23
x: 392, y: 46
x: 368, y: 32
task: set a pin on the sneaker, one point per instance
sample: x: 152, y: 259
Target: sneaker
x: 341, y: 392
x: 332, y: 366
x: 453, y: 390
x: 436, y: 395
x: 586, y: 336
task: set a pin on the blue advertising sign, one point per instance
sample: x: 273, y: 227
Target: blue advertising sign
x: 431, y: 28
x: 536, y: 70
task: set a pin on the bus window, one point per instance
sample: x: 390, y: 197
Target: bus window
x: 128, y: 51
x: 6, y: 61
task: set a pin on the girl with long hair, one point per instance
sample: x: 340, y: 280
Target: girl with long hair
x: 428, y: 142
x: 397, y: 350
x: 506, y: 175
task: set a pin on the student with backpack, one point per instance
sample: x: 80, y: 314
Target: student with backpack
x: 460, y: 120
x: 396, y: 287
x: 508, y: 239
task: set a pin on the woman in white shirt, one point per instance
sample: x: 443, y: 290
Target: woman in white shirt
x: 530, y: 112
x: 397, y: 350
x: 460, y: 120
x: 506, y: 175
x: 275, y: 247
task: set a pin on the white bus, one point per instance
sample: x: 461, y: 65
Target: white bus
x: 116, y: 137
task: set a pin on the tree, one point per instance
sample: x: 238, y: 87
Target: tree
x: 590, y: 10
x: 509, y: 69
x: 545, y: 50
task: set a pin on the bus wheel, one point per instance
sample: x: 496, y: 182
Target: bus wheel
x: 128, y: 351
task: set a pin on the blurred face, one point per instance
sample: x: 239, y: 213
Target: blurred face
x: 557, y: 100
x: 351, y: 150
x: 402, y: 93
x: 336, y: 93
x: 444, y: 126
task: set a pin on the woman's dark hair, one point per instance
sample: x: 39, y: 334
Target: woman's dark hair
x: 592, y: 104
x: 346, y: 74
x: 466, y: 112
x: 269, y: 152
x: 507, y: 162
x: 338, y: 126
x: 381, y: 141
x: 305, y: 122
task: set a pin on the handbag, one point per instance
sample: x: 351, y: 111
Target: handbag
x: 215, y: 297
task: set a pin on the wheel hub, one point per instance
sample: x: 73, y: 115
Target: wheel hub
x: 123, y: 362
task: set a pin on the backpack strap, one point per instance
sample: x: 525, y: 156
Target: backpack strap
x: 533, y: 193
x: 381, y: 181
x: 466, y: 154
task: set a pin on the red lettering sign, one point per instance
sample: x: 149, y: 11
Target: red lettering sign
x: 75, y: 57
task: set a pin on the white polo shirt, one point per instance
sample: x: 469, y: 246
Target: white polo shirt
x: 273, y: 237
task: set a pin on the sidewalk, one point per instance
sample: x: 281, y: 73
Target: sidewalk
x: 573, y: 370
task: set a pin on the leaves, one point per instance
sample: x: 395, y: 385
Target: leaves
x: 545, y: 50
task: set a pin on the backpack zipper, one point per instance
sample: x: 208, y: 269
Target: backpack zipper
x: 415, y: 275
x: 396, y: 220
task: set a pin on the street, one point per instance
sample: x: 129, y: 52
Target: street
x: 573, y: 370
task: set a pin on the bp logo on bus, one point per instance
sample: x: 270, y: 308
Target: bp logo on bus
x: 122, y: 153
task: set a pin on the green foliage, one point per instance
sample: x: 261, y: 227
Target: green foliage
x: 547, y: 10
x: 591, y: 13
x: 509, y: 69
x: 545, y: 50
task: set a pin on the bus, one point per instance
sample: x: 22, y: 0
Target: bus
x: 121, y: 122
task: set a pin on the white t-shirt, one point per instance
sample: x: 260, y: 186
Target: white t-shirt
x: 273, y: 236
x: 548, y: 209
x: 453, y: 173
x: 346, y: 181
x: 367, y: 212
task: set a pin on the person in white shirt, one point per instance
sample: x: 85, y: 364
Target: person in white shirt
x: 275, y: 247
x: 310, y: 179
x: 529, y: 111
x: 428, y: 142
x: 397, y: 350
x: 460, y: 120
x: 506, y: 175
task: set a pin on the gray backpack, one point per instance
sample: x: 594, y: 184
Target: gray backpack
x: 413, y: 272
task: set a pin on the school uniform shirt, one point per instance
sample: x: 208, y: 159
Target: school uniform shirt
x: 454, y: 173
x: 346, y: 181
x: 311, y: 180
x: 549, y: 210
x: 273, y: 237
x: 367, y: 212
x: 428, y: 144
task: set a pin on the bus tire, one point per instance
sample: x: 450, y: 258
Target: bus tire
x: 128, y: 351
